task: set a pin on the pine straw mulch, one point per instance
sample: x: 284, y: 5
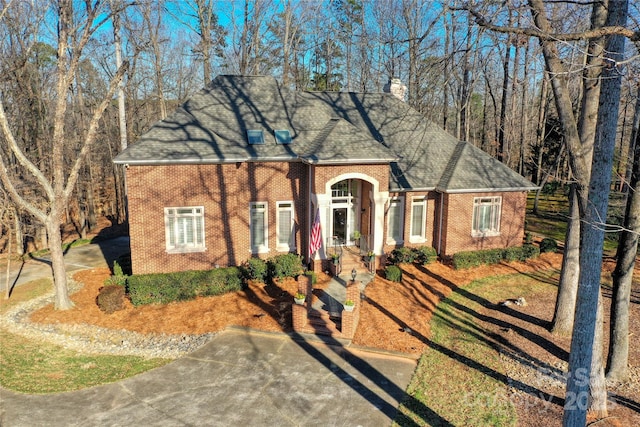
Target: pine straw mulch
x: 394, y: 316
x: 388, y: 310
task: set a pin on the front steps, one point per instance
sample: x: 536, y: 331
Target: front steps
x: 335, y: 322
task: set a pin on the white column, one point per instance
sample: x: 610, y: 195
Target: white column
x: 380, y: 200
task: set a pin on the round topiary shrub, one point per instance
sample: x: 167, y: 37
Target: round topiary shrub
x: 393, y: 273
x: 111, y: 298
x: 548, y: 245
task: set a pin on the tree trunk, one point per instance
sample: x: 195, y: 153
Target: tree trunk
x: 584, y: 353
x: 541, y: 126
x: 62, y: 300
x: 7, y: 282
x: 19, y: 235
x: 597, y: 382
x: 502, y: 143
x: 618, y: 357
x: 562, y: 323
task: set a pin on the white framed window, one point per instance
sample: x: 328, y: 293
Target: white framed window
x: 184, y: 229
x: 418, y: 220
x: 259, y: 227
x: 285, y: 231
x: 395, y: 220
x: 486, y: 216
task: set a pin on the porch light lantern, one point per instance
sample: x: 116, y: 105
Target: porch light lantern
x: 353, y: 275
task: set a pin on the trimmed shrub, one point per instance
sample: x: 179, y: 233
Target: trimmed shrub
x: 528, y: 238
x: 529, y: 251
x: 118, y: 277
x: 548, y: 245
x: 111, y: 298
x: 285, y: 265
x: 184, y: 285
x: 468, y: 259
x: 254, y: 269
x: 426, y: 254
x: 402, y: 255
x: 512, y: 254
x: 393, y: 273
x: 124, y: 261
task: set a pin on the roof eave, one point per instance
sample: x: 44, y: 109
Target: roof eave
x: 312, y: 161
x: 411, y: 190
x: 487, y: 190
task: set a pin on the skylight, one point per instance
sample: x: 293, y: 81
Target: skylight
x: 255, y: 137
x: 282, y: 136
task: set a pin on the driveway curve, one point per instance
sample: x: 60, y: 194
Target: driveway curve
x: 241, y: 377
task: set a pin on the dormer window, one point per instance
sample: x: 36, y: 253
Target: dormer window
x: 255, y: 137
x: 282, y: 136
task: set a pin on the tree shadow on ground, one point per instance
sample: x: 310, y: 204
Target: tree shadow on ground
x: 473, y: 364
x: 383, y: 385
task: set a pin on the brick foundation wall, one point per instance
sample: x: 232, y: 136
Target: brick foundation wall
x: 225, y: 191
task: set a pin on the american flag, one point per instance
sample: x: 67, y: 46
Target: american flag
x: 316, y: 235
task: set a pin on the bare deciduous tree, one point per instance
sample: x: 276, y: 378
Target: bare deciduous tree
x: 74, y: 33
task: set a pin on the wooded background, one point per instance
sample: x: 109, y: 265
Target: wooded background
x: 488, y: 88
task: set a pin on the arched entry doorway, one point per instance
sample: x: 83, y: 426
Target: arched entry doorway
x: 345, y: 211
x: 350, y: 202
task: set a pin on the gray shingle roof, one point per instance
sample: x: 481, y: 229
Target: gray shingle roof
x: 326, y: 128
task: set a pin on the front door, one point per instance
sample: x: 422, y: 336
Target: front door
x: 340, y: 224
x: 345, y: 204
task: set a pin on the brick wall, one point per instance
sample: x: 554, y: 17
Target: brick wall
x: 457, y: 222
x: 225, y: 191
x: 431, y: 222
x: 322, y: 174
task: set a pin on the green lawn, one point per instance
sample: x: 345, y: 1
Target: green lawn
x: 36, y: 367
x: 459, y: 379
x: 551, y: 219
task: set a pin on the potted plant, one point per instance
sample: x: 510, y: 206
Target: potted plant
x: 335, y: 258
x: 349, y: 305
x: 370, y: 256
x: 356, y: 237
x: 299, y: 298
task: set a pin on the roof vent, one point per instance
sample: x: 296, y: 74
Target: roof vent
x: 396, y: 88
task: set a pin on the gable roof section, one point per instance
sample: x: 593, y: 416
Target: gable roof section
x: 211, y: 127
x: 325, y: 128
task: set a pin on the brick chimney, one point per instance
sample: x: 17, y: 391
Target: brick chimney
x: 395, y: 88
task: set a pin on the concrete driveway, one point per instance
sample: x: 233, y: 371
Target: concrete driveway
x: 239, y: 378
x: 101, y: 254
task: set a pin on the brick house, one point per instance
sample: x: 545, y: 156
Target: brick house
x: 241, y: 168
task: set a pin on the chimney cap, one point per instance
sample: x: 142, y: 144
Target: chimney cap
x: 396, y: 88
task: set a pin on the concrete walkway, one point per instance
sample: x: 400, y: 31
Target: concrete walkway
x: 240, y: 378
